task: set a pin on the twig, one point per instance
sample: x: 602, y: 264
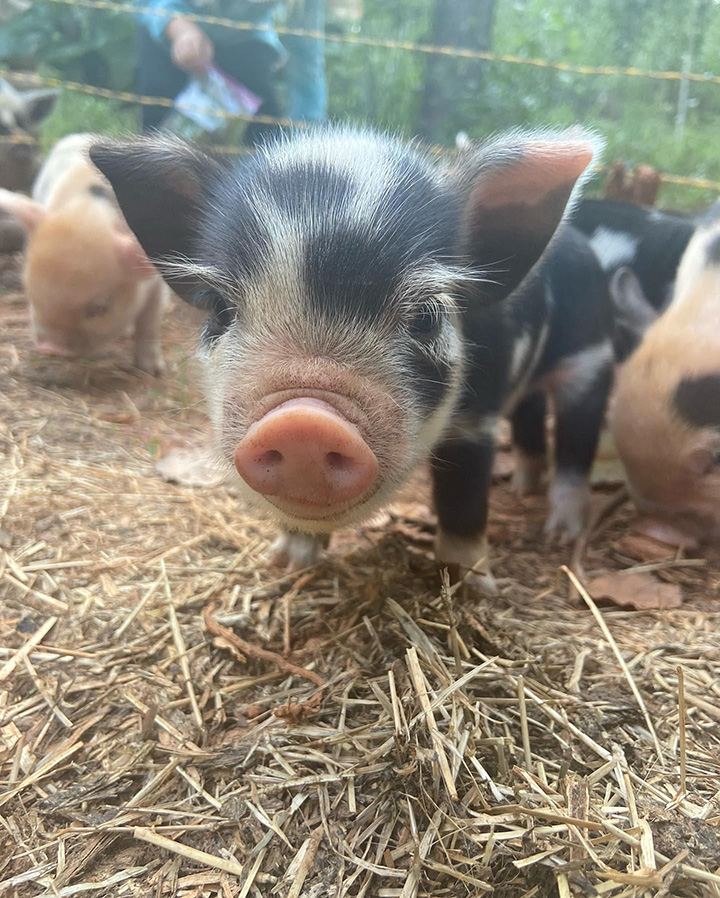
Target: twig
x: 683, y: 734
x: 618, y: 498
x: 140, y: 605
x: 37, y: 637
x: 182, y: 652
x: 247, y: 648
x: 524, y: 723
x: 419, y: 681
x: 201, y: 857
x: 42, y: 771
x: 616, y: 651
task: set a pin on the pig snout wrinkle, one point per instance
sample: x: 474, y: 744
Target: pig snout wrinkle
x: 304, y: 453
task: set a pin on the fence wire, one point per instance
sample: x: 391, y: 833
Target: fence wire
x: 409, y: 46
x: 388, y: 44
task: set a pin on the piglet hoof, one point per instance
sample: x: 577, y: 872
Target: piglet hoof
x: 478, y: 585
x: 528, y: 474
x: 468, y: 562
x: 150, y: 360
x: 294, y: 551
x: 569, y: 502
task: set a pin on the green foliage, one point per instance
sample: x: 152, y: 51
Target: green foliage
x: 95, y: 46
x: 384, y: 87
x: 77, y: 112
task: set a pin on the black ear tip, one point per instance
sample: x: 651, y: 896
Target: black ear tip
x: 106, y: 156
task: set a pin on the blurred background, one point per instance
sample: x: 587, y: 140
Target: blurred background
x: 671, y: 124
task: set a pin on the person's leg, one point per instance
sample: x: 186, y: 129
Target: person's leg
x: 252, y: 63
x: 157, y: 76
x: 305, y: 69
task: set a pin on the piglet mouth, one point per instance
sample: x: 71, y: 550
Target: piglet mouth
x: 306, y: 458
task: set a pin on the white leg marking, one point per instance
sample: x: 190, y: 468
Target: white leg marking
x: 294, y: 551
x: 569, y: 500
x: 469, y: 555
x: 528, y: 473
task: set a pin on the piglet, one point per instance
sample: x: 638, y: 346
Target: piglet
x: 665, y: 416
x: 369, y: 308
x: 86, y: 277
x: 21, y: 112
x: 647, y: 241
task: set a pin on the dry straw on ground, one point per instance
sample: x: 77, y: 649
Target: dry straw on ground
x: 177, y: 720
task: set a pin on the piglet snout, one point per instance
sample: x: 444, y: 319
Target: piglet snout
x: 304, y: 453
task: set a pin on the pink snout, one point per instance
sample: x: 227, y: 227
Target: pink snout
x: 305, y: 454
x: 50, y: 347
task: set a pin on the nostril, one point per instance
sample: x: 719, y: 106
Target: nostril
x: 338, y: 462
x: 270, y: 459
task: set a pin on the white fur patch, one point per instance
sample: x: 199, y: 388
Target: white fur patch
x: 525, y: 372
x: 469, y: 555
x: 569, y: 500
x: 520, y: 352
x: 613, y: 248
x: 576, y: 374
x: 528, y: 472
x: 294, y: 551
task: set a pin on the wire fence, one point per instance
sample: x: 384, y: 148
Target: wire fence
x: 383, y: 43
x: 409, y: 46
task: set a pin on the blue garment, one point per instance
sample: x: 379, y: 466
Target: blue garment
x: 303, y: 57
x: 237, y: 10
x: 307, y: 88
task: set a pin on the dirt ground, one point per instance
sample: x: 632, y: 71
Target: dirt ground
x: 178, y: 719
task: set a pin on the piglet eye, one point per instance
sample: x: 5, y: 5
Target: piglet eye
x: 425, y: 322
x: 222, y: 313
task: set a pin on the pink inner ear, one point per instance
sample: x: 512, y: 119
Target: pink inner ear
x: 542, y: 168
x: 133, y: 255
x: 27, y: 211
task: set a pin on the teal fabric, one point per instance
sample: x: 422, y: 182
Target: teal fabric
x: 237, y: 10
x: 303, y: 57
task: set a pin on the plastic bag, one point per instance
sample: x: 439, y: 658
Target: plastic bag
x: 202, y: 106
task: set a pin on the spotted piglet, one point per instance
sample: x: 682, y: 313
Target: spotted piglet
x: 647, y: 241
x: 368, y: 309
x: 665, y: 414
x: 86, y: 277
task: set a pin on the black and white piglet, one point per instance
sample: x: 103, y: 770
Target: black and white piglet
x: 639, y: 249
x: 361, y: 318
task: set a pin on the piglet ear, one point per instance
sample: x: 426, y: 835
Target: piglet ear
x: 515, y: 191
x: 36, y: 105
x: 160, y: 184
x: 133, y: 256
x: 634, y: 313
x: 27, y: 211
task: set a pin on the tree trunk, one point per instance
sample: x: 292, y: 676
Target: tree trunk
x: 448, y: 82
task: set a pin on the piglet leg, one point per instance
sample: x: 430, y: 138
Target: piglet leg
x: 529, y: 444
x: 578, y: 422
x: 148, y: 353
x: 294, y: 550
x: 462, y: 474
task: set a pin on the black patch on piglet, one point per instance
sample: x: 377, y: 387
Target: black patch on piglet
x: 697, y: 400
